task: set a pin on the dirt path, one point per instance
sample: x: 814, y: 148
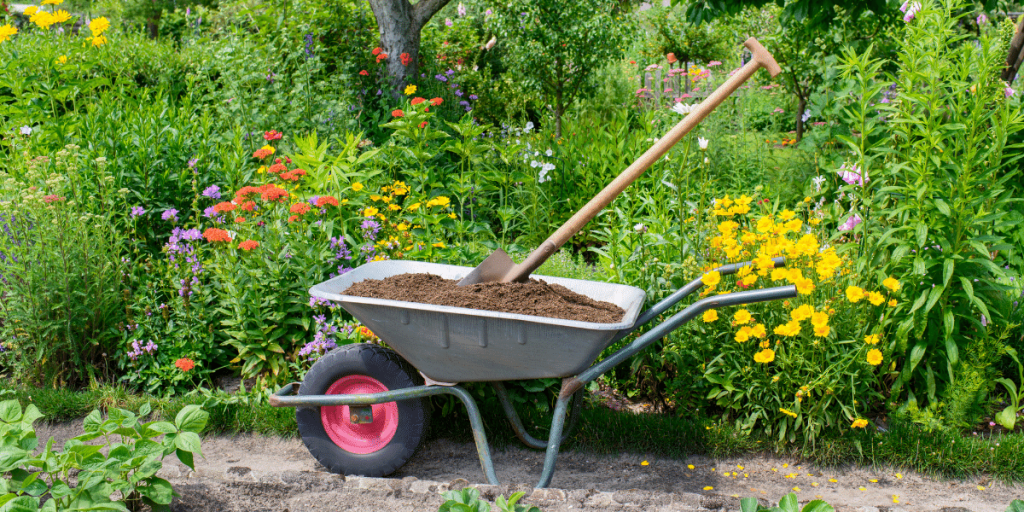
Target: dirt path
x: 267, y: 473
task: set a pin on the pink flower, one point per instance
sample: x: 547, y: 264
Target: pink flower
x: 853, y: 175
x: 714, y: 63
x: 851, y: 223
x: 1008, y: 91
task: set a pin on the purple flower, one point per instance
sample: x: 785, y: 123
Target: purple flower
x: 473, y: 97
x: 450, y: 72
x: 213, y: 192
x: 170, y: 214
x: 488, y: 12
x: 459, y: 93
x: 464, y: 103
x: 1008, y: 91
x: 138, y: 210
x: 461, y: 10
x: 441, y: 77
x: 851, y: 223
x: 192, y: 163
x: 982, y: 19
x: 984, y: 321
x: 853, y: 175
x: 448, y: 22
x: 910, y: 10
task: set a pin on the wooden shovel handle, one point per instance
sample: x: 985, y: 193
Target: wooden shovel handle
x: 761, y: 58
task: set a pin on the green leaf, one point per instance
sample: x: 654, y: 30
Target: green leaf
x: 947, y: 271
x: 749, y: 505
x: 789, y: 503
x: 192, y: 418
x: 942, y: 207
x: 21, y: 504
x: 1007, y: 418
x: 922, y: 234
x: 164, y: 427
x: 186, y: 458
x: 158, y: 490
x: 10, y: 411
x: 189, y: 442
x: 818, y: 506
x: 145, y: 410
x: 1015, y: 506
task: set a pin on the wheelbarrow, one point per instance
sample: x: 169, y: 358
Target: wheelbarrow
x: 362, y: 408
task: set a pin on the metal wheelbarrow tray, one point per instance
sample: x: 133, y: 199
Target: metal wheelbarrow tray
x: 358, y: 420
x: 450, y: 344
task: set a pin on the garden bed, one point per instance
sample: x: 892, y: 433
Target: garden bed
x: 535, y: 297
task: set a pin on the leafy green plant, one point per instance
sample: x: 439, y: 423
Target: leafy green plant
x: 128, y: 466
x: 1015, y: 506
x: 1008, y: 416
x: 468, y: 500
x: 788, y: 503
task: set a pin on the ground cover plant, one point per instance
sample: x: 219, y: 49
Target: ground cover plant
x: 165, y: 204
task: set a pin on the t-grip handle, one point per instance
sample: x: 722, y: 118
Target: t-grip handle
x: 761, y: 59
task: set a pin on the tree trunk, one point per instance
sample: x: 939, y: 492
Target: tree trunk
x: 399, y: 24
x: 802, y: 105
x: 153, y: 24
x: 1013, y: 55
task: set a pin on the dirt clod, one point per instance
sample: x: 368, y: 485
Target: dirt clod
x: 536, y: 297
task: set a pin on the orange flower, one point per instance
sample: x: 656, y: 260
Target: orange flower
x: 293, y: 218
x: 364, y: 73
x: 276, y: 168
x: 376, y: 50
x: 423, y: 124
x: 436, y: 101
x: 248, y: 245
x: 293, y: 175
x: 417, y: 100
x: 300, y: 208
x: 224, y: 207
x: 381, y: 57
x: 185, y: 364
x: 273, y: 193
x: 397, y: 113
x: 272, y: 135
x: 243, y: 193
x: 239, y: 220
x: 406, y: 59
x: 366, y: 332
x: 249, y: 206
x: 216, y: 235
x: 671, y: 58
x: 326, y: 200
x: 262, y: 153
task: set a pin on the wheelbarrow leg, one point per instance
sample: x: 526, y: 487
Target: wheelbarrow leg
x: 483, y: 450
x: 554, y: 440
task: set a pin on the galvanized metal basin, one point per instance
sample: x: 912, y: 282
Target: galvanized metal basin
x: 450, y: 344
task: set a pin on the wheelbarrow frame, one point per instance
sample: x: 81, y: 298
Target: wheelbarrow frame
x: 286, y: 396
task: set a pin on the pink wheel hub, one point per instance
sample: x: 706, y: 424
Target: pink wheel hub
x: 355, y: 437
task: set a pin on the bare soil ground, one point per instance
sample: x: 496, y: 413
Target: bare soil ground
x: 268, y: 473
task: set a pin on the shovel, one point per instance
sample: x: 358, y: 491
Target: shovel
x: 498, y: 267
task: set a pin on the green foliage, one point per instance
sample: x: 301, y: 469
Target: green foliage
x: 670, y: 32
x: 788, y: 503
x: 468, y: 500
x: 938, y: 161
x: 1008, y: 416
x: 126, y: 468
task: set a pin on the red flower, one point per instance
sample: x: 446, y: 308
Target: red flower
x: 277, y: 160
x: 381, y: 57
x: 248, y: 245
x: 326, y: 200
x: 249, y: 206
x: 406, y: 59
x: 272, y: 135
x: 376, y: 50
x: 364, y: 73
x: 423, y: 124
x: 397, y: 113
x: 243, y: 193
x: 293, y: 175
x: 276, y: 168
x: 52, y: 198
x: 436, y: 101
x: 216, y: 235
x: 273, y: 193
x: 239, y: 220
x: 224, y: 207
x: 287, y: 160
x: 261, y: 153
x: 417, y: 100
x: 185, y: 364
x: 632, y: 62
x: 426, y: 109
x: 293, y: 218
x: 671, y: 58
x: 299, y: 208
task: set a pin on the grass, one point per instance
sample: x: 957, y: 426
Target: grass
x: 905, y: 445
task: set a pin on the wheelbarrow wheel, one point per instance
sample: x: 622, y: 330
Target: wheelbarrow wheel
x: 373, y: 449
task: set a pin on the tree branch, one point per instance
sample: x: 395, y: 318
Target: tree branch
x: 425, y: 9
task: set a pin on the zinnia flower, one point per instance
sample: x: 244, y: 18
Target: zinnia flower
x: 248, y: 245
x: 185, y: 364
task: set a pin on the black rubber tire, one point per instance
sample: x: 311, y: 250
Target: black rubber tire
x: 391, y: 370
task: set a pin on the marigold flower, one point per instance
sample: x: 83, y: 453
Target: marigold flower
x: 874, y: 357
x: 272, y: 135
x: 765, y: 356
x: 397, y: 113
x: 854, y: 294
x: 326, y: 200
x: 741, y: 317
x: 712, y: 278
x: 436, y: 101
x: 299, y: 208
x: 710, y: 316
x: 891, y: 283
x: 216, y: 235
x: 417, y: 100
x: 872, y: 339
x: 248, y: 245
x: 859, y: 423
x: 185, y: 364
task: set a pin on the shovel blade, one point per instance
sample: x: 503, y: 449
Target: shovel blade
x: 492, y: 269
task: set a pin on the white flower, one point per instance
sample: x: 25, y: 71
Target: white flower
x: 683, y: 109
x: 548, y: 167
x: 462, y: 10
x: 26, y: 130
x: 490, y: 44
x: 703, y: 143
x: 640, y: 228
x: 543, y: 176
x: 535, y: 164
x: 529, y: 126
x: 548, y: 152
x: 706, y: 160
x: 818, y: 180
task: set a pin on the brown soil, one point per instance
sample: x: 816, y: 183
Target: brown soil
x: 535, y: 297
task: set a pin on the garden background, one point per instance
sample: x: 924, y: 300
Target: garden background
x: 175, y: 176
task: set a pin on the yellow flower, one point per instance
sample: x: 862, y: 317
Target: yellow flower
x: 43, y: 19
x: 779, y: 274
x: 775, y: 378
x: 439, y: 201
x: 743, y: 334
x: 394, y: 207
x: 410, y: 89
x: 98, y: 41
x: 689, y: 466
x: 874, y: 357
x: 708, y: 488
x: 357, y: 186
x: 710, y: 316
x: 439, y: 245
x: 787, y: 214
x: 822, y: 330
x: 30, y: 10
x: 875, y: 298
x: 797, y: 489
x: 711, y: 278
x: 833, y: 480
x: 413, y: 207
x: 645, y: 463
x: 63, y: 59
x: 892, y: 303
x: 749, y: 280
x: 450, y: 215
x: 759, y: 331
x: 99, y: 25
x: 787, y: 412
x: 804, y: 286
x: 402, y: 227
x: 802, y: 313
x: 814, y: 222
x: 819, y: 319
x: 765, y: 356
x: 741, y: 317
x: 854, y: 294
x: 871, y: 339
x: 891, y: 283
x: 374, y: 197
x: 6, y: 32
x: 790, y: 329
x: 61, y: 16
x: 52, y: 2
x: 370, y: 212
